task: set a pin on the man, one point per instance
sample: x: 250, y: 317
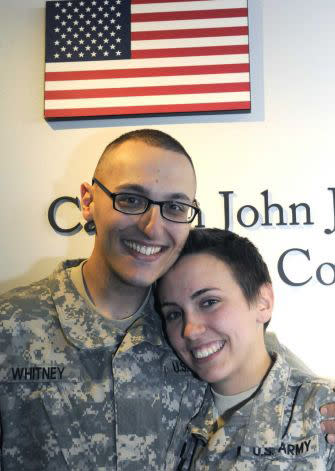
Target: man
x: 88, y: 381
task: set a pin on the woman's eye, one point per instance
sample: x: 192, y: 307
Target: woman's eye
x: 172, y: 316
x: 209, y: 302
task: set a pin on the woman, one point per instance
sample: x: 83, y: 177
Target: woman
x: 258, y: 413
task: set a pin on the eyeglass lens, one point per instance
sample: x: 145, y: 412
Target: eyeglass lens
x: 135, y: 204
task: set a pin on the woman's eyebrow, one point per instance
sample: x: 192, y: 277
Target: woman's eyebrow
x: 168, y: 304
x: 193, y: 296
x: 200, y: 292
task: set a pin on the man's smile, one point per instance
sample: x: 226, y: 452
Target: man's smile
x: 143, y: 249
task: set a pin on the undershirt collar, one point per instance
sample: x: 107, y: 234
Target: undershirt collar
x: 76, y: 275
x: 223, y: 403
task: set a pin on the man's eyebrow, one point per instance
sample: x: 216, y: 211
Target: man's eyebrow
x: 129, y: 187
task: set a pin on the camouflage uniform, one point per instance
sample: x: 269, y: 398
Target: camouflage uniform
x: 278, y: 429
x: 78, y: 394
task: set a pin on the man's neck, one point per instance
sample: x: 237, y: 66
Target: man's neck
x: 112, y: 297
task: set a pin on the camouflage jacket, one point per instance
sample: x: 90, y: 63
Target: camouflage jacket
x: 77, y: 394
x: 278, y: 429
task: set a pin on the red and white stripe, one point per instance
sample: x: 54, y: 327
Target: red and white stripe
x: 186, y: 56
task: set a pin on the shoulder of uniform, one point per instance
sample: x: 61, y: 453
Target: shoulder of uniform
x: 311, y: 389
x: 37, y: 296
x: 322, y: 384
x: 302, y: 377
x: 24, y: 298
x: 25, y: 316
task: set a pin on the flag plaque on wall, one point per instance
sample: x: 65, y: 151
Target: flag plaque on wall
x: 109, y: 58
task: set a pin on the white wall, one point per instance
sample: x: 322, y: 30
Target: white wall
x: 285, y: 145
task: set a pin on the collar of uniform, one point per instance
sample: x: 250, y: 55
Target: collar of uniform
x: 147, y: 328
x: 202, y: 424
x: 84, y: 328
x: 229, y: 432
x: 268, y: 406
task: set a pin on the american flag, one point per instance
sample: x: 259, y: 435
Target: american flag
x: 139, y: 57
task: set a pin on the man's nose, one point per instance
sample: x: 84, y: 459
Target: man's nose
x: 151, y: 222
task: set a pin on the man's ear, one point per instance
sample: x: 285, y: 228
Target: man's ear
x: 86, y: 193
x: 265, y: 301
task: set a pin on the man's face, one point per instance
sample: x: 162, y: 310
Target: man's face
x: 210, y: 324
x: 138, y: 249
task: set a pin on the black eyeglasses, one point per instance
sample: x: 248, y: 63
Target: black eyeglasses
x: 130, y: 203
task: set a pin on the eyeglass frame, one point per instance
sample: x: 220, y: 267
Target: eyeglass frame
x: 150, y: 202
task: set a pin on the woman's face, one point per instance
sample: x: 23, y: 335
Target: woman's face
x: 210, y: 324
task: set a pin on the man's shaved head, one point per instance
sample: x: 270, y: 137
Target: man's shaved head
x: 151, y: 137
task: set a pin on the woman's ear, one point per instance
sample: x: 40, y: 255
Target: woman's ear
x: 265, y: 301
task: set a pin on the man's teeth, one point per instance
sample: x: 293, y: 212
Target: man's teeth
x: 143, y: 249
x: 205, y: 352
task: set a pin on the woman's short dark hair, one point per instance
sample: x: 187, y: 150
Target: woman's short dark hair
x: 242, y: 257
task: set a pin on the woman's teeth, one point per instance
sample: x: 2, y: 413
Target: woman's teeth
x: 207, y: 351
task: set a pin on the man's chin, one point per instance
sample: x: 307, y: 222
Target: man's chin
x: 140, y: 283
x: 139, y: 274
x: 137, y: 280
